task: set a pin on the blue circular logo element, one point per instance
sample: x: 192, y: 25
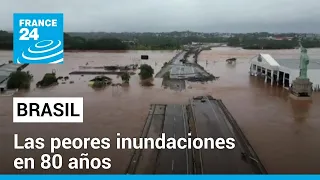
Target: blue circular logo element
x: 44, y: 52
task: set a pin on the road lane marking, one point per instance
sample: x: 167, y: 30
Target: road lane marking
x: 185, y: 134
x: 174, y: 125
x: 172, y: 164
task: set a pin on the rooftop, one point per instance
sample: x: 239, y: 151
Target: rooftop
x: 3, y: 84
x: 270, y: 60
x: 3, y: 75
x: 10, y: 66
x: 2, y: 78
x: 294, y: 63
x: 6, y: 70
x: 2, y: 62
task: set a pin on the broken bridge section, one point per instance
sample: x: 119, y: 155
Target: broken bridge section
x: 183, y: 66
x: 203, y: 117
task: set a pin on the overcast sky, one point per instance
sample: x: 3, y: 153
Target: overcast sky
x: 174, y: 15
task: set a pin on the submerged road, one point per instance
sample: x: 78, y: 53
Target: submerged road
x: 184, y: 66
x: 174, y: 84
x: 174, y: 61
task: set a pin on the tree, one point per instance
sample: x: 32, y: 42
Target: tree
x: 234, y: 41
x: 101, y: 81
x: 146, y: 71
x: 19, y: 80
x: 125, y: 77
x: 47, y: 80
x: 99, y: 84
x: 72, y: 43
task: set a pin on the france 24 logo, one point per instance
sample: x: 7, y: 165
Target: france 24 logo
x: 38, y: 38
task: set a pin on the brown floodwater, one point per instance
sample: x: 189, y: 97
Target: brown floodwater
x: 285, y: 133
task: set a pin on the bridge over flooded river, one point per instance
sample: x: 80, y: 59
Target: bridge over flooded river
x: 202, y: 117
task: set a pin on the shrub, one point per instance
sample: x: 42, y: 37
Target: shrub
x: 146, y: 71
x: 125, y: 77
x: 47, y: 80
x: 99, y: 84
x: 101, y: 81
x: 20, y: 80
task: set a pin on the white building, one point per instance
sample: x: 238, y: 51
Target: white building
x: 283, y: 71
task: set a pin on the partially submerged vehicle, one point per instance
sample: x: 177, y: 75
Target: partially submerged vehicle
x: 231, y: 60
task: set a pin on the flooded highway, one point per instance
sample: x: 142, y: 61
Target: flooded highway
x: 200, y: 128
x: 283, y: 132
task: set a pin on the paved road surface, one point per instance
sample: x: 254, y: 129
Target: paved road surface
x: 210, y: 122
x: 179, y: 70
x: 174, y: 61
x: 174, y: 161
x: 170, y: 120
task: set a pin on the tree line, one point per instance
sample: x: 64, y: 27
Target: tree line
x: 80, y: 43
x: 153, y: 41
x: 166, y: 41
x: 72, y: 43
x: 247, y: 42
x: 6, y: 40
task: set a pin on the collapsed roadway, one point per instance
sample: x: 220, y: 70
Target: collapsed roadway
x: 184, y: 66
x: 203, y: 117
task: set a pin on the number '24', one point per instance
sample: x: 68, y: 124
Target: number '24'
x: 27, y: 35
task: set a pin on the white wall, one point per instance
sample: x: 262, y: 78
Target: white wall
x: 263, y: 64
x: 313, y: 74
